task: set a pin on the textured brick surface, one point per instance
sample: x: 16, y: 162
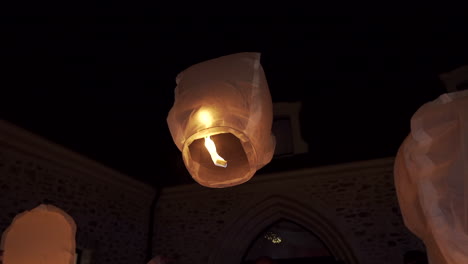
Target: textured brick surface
x: 358, y: 200
x: 111, y: 218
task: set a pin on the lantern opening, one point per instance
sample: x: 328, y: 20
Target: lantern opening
x: 211, y: 147
x: 207, y: 172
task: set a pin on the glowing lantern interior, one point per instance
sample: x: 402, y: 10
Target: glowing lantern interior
x: 206, y: 118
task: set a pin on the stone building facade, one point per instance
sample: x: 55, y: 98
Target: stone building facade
x: 111, y: 211
x: 352, y: 208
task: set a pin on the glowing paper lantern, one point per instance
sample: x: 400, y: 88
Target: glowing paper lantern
x: 45, y: 234
x: 431, y: 178
x: 221, y: 119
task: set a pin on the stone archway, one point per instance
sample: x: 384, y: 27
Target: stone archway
x: 236, y: 238
x: 288, y: 240
x: 45, y: 234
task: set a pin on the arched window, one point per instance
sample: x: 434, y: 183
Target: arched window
x: 288, y: 242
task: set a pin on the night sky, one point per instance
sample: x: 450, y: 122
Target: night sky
x: 102, y: 86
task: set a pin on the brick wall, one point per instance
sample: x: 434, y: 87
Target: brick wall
x: 111, y: 211
x: 352, y: 207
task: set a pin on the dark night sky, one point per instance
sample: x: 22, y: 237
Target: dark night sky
x: 102, y: 86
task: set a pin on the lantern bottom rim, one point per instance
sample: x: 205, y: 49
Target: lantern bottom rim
x: 213, y: 178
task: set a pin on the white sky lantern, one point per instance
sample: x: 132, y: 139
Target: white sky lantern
x: 221, y: 119
x: 431, y: 178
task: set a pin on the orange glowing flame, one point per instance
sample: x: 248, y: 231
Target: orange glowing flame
x: 211, y: 147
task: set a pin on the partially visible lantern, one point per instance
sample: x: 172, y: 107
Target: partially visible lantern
x: 431, y: 178
x: 45, y: 234
x: 221, y: 119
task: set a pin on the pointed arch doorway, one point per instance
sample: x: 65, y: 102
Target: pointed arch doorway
x: 287, y: 242
x: 239, y: 234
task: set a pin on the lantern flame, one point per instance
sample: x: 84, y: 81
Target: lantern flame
x: 211, y: 147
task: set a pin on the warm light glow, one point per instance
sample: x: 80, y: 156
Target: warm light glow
x: 211, y: 147
x: 205, y: 117
x: 274, y: 238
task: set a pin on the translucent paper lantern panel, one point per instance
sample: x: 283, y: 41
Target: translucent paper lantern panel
x: 44, y: 235
x: 221, y: 119
x: 431, y: 178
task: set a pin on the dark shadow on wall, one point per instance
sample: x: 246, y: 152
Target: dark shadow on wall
x: 314, y: 260
x: 415, y: 257
x: 149, y: 249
